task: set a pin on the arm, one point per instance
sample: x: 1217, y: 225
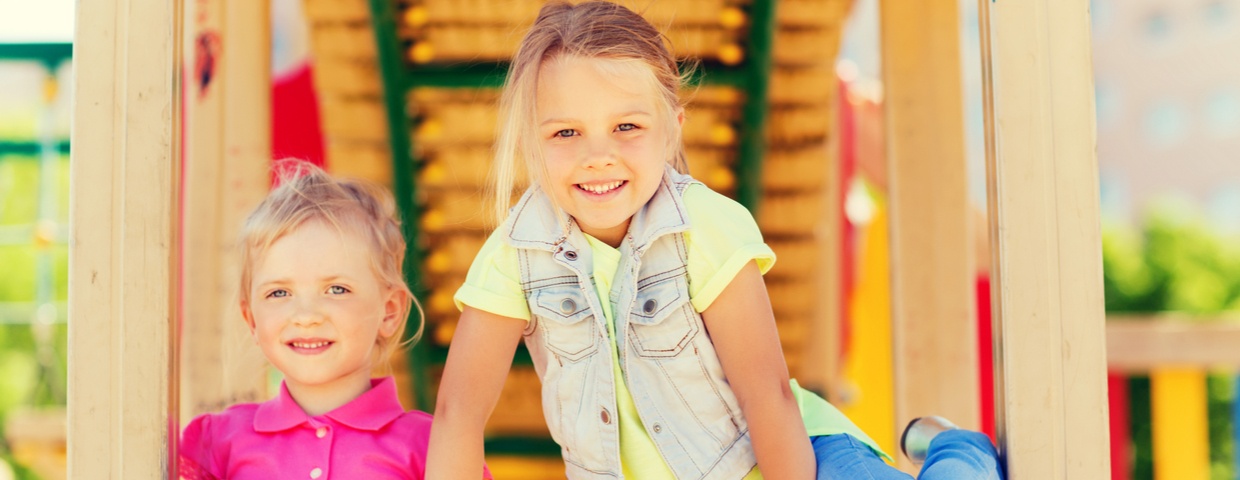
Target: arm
x: 478, y: 362
x: 742, y: 327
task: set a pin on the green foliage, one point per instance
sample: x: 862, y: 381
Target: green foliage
x: 1175, y: 263
x: 1221, y: 393
x: 19, y: 189
x: 32, y: 357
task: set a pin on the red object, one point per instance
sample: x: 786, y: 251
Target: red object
x: 985, y: 356
x: 848, y: 243
x: 296, y: 131
x: 1121, y: 448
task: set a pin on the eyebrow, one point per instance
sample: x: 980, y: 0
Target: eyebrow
x: 285, y: 280
x: 630, y: 113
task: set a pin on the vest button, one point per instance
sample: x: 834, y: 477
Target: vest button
x: 568, y: 306
x: 571, y: 255
x: 605, y: 416
x: 649, y: 306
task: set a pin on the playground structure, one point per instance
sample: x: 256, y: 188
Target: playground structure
x: 137, y: 209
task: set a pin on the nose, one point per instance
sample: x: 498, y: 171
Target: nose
x: 601, y: 153
x: 307, y: 313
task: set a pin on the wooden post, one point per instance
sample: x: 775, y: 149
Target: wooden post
x: 123, y: 209
x: 932, y: 285
x: 228, y: 151
x: 1043, y: 197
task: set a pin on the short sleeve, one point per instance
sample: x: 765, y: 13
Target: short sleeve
x: 722, y: 238
x: 194, y: 455
x: 493, y: 283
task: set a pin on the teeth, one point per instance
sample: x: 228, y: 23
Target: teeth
x: 310, y: 345
x: 601, y: 187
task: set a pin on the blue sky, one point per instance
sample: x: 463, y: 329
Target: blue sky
x: 25, y: 21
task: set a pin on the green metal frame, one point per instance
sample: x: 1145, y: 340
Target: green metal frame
x: 395, y: 86
x: 30, y: 148
x: 757, y: 104
x: 398, y: 78
x: 50, y: 54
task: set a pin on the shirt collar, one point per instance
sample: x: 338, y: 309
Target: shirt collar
x: 535, y: 223
x: 372, y: 410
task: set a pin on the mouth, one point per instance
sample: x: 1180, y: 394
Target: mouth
x: 311, y: 346
x: 601, y: 188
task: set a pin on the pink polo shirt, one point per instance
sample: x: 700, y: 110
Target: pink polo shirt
x: 369, y: 437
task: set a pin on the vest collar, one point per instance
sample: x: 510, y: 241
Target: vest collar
x: 535, y: 224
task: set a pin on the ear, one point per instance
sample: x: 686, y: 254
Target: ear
x: 680, y: 116
x: 248, y: 315
x: 394, y: 307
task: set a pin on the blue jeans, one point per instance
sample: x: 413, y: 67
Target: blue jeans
x: 953, y: 455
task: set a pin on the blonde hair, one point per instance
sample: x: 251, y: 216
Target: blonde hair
x: 595, y: 29
x: 308, y: 193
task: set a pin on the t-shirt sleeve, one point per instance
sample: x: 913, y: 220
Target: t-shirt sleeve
x: 194, y: 455
x: 493, y: 283
x: 722, y: 238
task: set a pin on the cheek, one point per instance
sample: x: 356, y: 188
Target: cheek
x: 268, y: 318
x: 559, y: 161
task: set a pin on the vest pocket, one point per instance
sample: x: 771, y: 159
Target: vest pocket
x: 662, y: 321
x: 567, y: 325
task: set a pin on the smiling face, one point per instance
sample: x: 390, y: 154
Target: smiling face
x: 317, y: 309
x: 605, y: 137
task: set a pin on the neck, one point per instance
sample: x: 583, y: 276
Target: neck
x: 613, y: 236
x: 319, y: 399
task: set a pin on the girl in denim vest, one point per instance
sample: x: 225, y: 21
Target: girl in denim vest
x: 637, y: 290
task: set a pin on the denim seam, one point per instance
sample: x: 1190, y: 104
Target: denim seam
x: 689, y: 407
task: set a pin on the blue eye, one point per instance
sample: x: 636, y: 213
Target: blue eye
x: 624, y: 127
x: 565, y: 133
x: 278, y: 293
x: 337, y: 290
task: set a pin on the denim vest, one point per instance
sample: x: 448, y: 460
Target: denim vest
x: 665, y: 353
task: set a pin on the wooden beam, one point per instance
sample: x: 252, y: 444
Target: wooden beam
x: 228, y: 152
x: 123, y: 210
x: 934, y: 312
x: 1043, y: 200
x: 1139, y: 346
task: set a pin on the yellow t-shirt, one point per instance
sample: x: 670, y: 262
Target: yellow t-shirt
x: 722, y: 239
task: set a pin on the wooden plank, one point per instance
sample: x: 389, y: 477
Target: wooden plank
x: 1181, y: 436
x: 228, y: 139
x: 123, y: 211
x: 1043, y: 199
x: 934, y: 323
x: 1137, y: 346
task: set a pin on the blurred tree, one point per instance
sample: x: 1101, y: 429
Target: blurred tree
x: 1175, y: 263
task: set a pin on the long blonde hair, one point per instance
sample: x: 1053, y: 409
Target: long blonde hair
x: 595, y: 29
x: 308, y: 193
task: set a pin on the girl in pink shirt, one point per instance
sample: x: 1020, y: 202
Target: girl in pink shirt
x: 325, y: 299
